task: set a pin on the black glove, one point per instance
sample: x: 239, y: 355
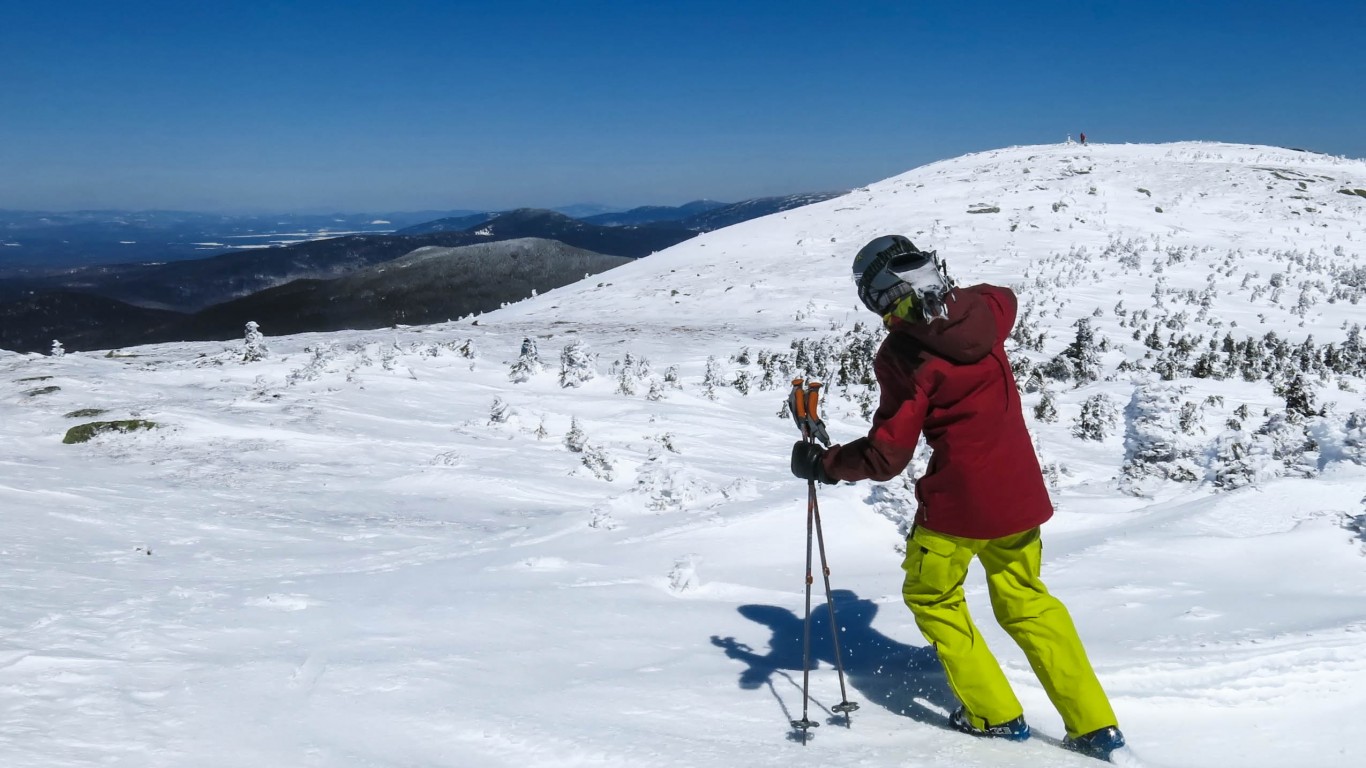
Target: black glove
x: 806, y: 462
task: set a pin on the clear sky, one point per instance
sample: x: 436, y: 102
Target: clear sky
x: 383, y: 106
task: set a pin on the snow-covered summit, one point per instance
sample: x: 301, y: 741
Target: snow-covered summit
x: 994, y: 215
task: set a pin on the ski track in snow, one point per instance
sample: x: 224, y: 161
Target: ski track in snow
x: 336, y: 557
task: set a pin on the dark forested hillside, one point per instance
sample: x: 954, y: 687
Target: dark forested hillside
x: 429, y: 285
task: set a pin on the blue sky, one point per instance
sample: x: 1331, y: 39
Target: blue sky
x: 370, y: 106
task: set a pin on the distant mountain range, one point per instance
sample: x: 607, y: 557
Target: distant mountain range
x: 294, y: 287
x: 697, y: 216
x: 189, y: 286
x: 37, y: 239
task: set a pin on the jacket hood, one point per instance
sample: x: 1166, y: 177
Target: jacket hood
x: 966, y: 336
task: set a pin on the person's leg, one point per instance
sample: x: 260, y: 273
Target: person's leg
x: 935, y: 566
x: 1043, y: 628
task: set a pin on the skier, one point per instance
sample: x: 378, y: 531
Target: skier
x: 942, y: 370
x: 1083, y: 139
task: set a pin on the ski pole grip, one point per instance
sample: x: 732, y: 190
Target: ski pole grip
x: 813, y: 396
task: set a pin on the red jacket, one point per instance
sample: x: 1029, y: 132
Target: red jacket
x: 951, y: 380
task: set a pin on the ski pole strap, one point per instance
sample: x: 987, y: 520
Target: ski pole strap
x: 813, y: 419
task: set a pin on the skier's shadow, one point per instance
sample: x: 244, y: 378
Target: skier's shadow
x: 904, y: 679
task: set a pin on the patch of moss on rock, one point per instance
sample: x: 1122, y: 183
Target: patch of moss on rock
x: 85, y: 413
x: 84, y: 432
x: 42, y: 391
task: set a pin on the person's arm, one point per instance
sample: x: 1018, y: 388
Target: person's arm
x: 891, y: 441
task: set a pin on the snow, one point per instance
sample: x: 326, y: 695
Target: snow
x: 335, y: 557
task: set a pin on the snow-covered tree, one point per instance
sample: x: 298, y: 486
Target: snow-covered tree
x: 1097, y: 419
x: 57, y: 349
x: 1240, y: 459
x: 671, y: 377
x: 711, y: 379
x: 597, y: 462
x: 528, y: 362
x: 1046, y: 411
x: 255, y: 344
x: 575, y: 440
x: 1082, y: 356
x: 576, y: 364
x: 1155, y: 447
x: 1354, y: 441
x: 499, y: 412
x: 1291, y: 445
x: 656, y: 392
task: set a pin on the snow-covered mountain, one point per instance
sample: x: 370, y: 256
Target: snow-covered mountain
x: 420, y: 547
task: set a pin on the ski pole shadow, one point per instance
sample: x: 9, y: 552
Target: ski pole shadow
x: 905, y: 679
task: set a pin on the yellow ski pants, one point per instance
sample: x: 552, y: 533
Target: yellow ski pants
x: 936, y: 565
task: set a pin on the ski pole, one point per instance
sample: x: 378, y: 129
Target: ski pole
x: 804, y: 402
x: 806, y: 723
x: 813, y: 416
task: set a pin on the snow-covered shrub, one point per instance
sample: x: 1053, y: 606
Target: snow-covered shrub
x: 656, y: 392
x: 1354, y: 441
x: 527, y: 364
x: 576, y: 364
x: 1240, y: 459
x: 499, y: 412
x: 1291, y: 445
x: 1155, y: 447
x: 1046, y: 411
x: 388, y: 355
x: 575, y: 440
x: 315, y: 367
x: 671, y: 377
x: 1299, y: 397
x: 712, y: 378
x: 866, y: 400
x: 595, y: 459
x: 626, y: 381
x: 1098, y: 418
x: 1081, y: 360
x: 466, y: 349
x: 665, y: 485
x: 1356, y: 523
x: 254, y: 349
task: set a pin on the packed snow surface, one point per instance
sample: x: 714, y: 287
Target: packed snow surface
x: 378, y: 549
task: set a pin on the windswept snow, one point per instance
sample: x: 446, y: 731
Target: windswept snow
x: 374, y: 549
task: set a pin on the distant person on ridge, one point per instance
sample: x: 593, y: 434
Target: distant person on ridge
x: 1083, y: 138
x: 942, y: 370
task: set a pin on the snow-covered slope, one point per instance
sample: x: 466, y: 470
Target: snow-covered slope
x: 376, y: 548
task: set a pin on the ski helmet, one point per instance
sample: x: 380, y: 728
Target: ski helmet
x: 890, y: 268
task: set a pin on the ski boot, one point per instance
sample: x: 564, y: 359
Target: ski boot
x: 1098, y: 744
x: 1013, y: 730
